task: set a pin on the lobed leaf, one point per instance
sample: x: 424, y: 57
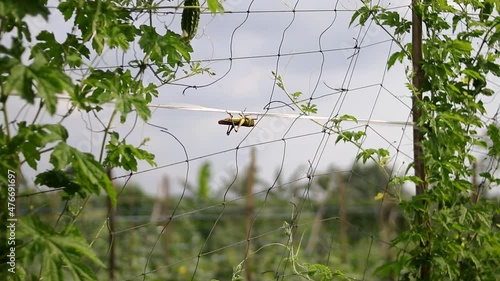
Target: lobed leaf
x: 60, y: 251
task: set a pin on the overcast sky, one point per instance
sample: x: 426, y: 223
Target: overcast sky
x: 246, y: 83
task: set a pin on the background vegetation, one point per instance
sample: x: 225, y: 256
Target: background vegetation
x: 448, y: 231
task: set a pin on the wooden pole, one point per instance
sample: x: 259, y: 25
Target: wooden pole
x: 418, y: 79
x: 249, y: 210
x: 343, y: 204
x: 111, y: 228
x: 165, y: 211
x: 475, y: 193
x: 318, y: 219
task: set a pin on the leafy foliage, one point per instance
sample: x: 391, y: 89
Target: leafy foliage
x: 380, y: 155
x: 37, y: 72
x: 305, y: 107
x: 303, y: 270
x: 126, y: 155
x: 66, y: 250
x: 89, y: 175
x: 446, y: 225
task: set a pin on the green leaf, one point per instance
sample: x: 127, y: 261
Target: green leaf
x: 215, y: 6
x: 89, y: 174
x: 358, y: 135
x: 366, y: 154
x: 60, y: 252
x: 296, y: 96
x: 471, y: 73
x: 49, y: 47
x: 68, y: 53
x: 369, y: 152
x: 22, y: 8
x: 309, y: 108
x: 61, y: 156
x: 31, y: 154
x: 382, y: 152
x: 318, y: 270
x: 402, y: 180
x: 345, y: 136
x: 31, y: 138
x: 456, y: 19
x: 20, y: 80
x: 61, y: 179
x: 176, y: 49
x: 486, y: 11
x: 171, y: 46
x: 53, y: 178
x: 120, y: 35
x: 124, y: 155
x: 46, y: 79
x: 67, y: 9
x: 148, y: 41
x: 399, y: 56
x: 348, y: 117
x: 20, y: 274
x: 141, y: 107
x: 461, y: 45
x: 56, y: 132
x: 363, y: 13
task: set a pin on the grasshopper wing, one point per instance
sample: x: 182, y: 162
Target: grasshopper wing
x: 227, y: 121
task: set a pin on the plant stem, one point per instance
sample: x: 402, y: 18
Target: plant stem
x: 6, y: 119
x: 106, y: 130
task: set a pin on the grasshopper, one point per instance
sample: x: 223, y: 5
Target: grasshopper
x: 236, y: 122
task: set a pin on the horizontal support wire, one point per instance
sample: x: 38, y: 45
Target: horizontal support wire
x: 190, y: 107
x: 158, y: 10
x: 236, y: 58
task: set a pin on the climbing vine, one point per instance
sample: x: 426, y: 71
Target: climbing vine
x: 451, y: 233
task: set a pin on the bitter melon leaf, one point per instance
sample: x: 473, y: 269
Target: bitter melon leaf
x: 61, y: 252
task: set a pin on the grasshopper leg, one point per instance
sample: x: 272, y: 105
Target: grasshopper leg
x: 229, y: 129
x: 232, y: 126
x: 240, y: 123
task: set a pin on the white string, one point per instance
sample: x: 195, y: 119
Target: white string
x: 191, y: 107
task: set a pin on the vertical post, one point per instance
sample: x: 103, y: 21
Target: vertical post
x: 387, y: 227
x: 164, y: 213
x: 418, y: 79
x: 111, y: 228
x: 322, y: 205
x: 249, y: 209
x: 475, y: 193
x: 343, y: 198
